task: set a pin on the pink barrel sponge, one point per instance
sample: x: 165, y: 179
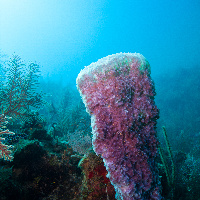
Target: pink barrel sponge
x: 119, y: 95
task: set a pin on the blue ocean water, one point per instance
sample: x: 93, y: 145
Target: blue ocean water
x: 53, y: 127
x: 64, y: 36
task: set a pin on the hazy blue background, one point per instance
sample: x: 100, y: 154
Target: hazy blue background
x: 63, y: 36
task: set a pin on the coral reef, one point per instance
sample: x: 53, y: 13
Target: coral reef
x: 95, y: 185
x: 5, y: 151
x: 119, y: 95
x: 41, y: 169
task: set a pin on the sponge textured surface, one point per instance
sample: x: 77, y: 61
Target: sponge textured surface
x: 119, y: 95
